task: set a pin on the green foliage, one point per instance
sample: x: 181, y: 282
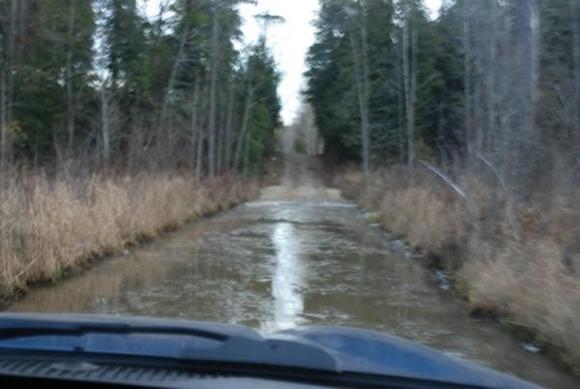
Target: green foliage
x: 330, y: 83
x: 126, y: 45
x: 263, y: 78
x: 442, y: 65
x: 39, y: 83
x: 300, y: 146
x: 85, y: 67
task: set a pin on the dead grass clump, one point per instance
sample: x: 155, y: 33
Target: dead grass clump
x: 430, y: 219
x: 47, y: 227
x: 530, y: 284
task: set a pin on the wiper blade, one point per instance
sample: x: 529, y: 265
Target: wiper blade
x: 22, y: 328
x: 185, y: 341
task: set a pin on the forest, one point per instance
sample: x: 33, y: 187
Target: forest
x: 485, y: 80
x: 116, y: 126
x: 100, y: 83
x: 463, y: 134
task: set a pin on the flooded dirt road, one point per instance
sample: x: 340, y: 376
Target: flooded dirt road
x: 298, y: 256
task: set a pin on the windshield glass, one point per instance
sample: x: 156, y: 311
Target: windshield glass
x: 410, y: 167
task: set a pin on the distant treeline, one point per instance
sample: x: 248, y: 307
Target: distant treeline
x: 98, y: 83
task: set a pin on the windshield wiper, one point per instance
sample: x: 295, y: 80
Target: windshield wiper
x: 19, y: 328
x: 191, y: 341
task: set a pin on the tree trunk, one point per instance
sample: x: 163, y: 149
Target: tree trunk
x: 490, y: 77
x: 242, y: 137
x: 400, y: 118
x: 526, y: 30
x: 70, y: 100
x: 105, y: 125
x: 164, y: 131
x: 410, y: 82
x: 220, y: 130
x: 11, y: 57
x: 228, y: 128
x: 3, y: 122
x: 504, y: 96
x: 7, y: 83
x: 575, y: 12
x: 137, y: 136
x: 360, y: 61
x: 246, y: 157
x: 194, y: 126
x: 199, y: 154
x: 212, y: 95
x: 365, y: 128
x: 467, y: 87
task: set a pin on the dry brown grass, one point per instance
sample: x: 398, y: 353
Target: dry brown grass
x: 530, y: 284
x: 429, y: 219
x: 47, y: 227
x: 530, y: 277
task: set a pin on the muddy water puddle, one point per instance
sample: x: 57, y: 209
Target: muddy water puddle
x: 273, y: 265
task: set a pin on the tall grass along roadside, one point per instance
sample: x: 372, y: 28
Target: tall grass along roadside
x: 519, y: 262
x: 50, y: 226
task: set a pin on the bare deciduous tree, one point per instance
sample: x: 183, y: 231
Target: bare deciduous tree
x: 359, y: 48
x: 409, y: 80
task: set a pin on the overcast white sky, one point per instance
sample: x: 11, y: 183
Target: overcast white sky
x: 289, y: 41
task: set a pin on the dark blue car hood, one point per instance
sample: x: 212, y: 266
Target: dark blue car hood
x: 377, y: 353
x: 321, y: 348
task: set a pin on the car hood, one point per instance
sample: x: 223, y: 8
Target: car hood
x: 322, y: 348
